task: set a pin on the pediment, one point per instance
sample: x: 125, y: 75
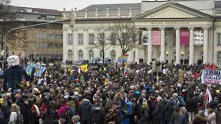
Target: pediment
x: 172, y: 10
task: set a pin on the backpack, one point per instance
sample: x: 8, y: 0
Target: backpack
x: 20, y: 119
x: 70, y: 112
x: 95, y: 117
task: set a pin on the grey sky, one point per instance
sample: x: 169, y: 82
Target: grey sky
x: 68, y: 4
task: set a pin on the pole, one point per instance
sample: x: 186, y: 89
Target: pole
x: 29, y: 26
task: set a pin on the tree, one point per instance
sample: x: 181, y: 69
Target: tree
x: 126, y: 35
x: 102, y: 41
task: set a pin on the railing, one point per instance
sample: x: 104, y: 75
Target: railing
x: 104, y: 14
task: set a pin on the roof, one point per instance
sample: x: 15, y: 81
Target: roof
x: 113, y: 7
x: 176, y: 5
x: 32, y: 10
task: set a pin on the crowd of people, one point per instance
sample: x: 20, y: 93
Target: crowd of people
x: 136, y: 94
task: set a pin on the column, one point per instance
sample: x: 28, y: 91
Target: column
x: 162, y: 46
x: 149, y: 60
x: 75, y: 45
x: 205, y: 45
x: 177, y: 45
x: 65, y: 40
x: 191, y: 47
x: 86, y: 44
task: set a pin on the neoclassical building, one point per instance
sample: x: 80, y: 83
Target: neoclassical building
x: 169, y: 30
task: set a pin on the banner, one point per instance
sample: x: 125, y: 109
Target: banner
x: 211, y: 76
x: 198, y: 37
x: 156, y: 38
x: 39, y: 69
x: 184, y: 37
x: 122, y: 58
x: 145, y: 37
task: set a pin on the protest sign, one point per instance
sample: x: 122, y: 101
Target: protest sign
x: 211, y: 76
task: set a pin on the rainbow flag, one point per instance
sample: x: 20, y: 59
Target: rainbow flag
x: 122, y: 58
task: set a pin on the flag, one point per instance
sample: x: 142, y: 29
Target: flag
x: 122, y: 58
x: 208, y: 96
x: 39, y: 69
x: 84, y: 68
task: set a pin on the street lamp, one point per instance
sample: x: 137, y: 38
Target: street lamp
x: 72, y: 20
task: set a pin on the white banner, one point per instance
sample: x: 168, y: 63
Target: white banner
x: 198, y: 37
x: 145, y: 37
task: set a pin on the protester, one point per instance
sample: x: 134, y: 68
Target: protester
x: 105, y: 94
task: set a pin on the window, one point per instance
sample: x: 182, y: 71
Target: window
x: 50, y: 17
x: 70, y: 54
x: 91, y: 38
x: 70, y: 38
x: 102, y: 37
x: 91, y: 54
x: 113, y: 55
x: 101, y: 53
x: 219, y: 58
x: 80, y: 55
x: 218, y: 38
x: 80, y: 39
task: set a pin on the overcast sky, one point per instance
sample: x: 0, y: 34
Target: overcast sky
x: 68, y: 4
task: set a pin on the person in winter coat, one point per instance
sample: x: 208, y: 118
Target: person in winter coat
x: 184, y: 116
x: 169, y: 108
x: 85, y: 110
x: 211, y: 117
x: 144, y: 113
x: 97, y: 115
x: 38, y: 109
x: 218, y: 114
x: 158, y: 111
x: 63, y: 119
x: 48, y: 116
x: 4, y: 113
x: 14, y: 111
x: 23, y: 103
x: 181, y: 101
x: 200, y: 118
x: 76, y: 119
x: 191, y: 106
x: 64, y: 107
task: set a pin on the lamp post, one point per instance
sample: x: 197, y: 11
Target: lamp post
x: 72, y: 19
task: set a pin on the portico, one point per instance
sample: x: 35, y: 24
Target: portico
x: 178, y: 26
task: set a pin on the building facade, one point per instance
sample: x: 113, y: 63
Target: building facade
x: 39, y: 41
x: 170, y: 31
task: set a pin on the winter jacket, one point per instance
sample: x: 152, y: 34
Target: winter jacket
x: 97, y: 116
x: 191, y: 105
x: 48, y: 117
x: 63, y: 109
x: 211, y: 118
x: 85, y: 109
x: 144, y: 116
x: 218, y: 116
x: 158, y: 111
x: 169, y: 108
x: 184, y: 118
x: 24, y: 110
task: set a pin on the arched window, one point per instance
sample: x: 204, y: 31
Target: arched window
x: 91, y: 54
x: 113, y: 55
x: 101, y: 53
x: 70, y: 54
x: 80, y: 55
x: 218, y: 58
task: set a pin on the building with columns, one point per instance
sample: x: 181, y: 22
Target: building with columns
x: 169, y: 30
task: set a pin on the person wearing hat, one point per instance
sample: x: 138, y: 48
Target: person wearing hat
x: 76, y: 119
x: 63, y: 119
x: 218, y: 114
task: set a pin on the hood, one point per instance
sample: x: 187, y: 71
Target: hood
x: 62, y: 105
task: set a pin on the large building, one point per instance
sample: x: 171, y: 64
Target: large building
x: 181, y: 29
x: 38, y: 41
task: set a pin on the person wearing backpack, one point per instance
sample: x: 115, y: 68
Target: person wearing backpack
x: 97, y: 114
x: 85, y: 110
x: 64, y: 107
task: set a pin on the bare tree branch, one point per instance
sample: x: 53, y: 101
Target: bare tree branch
x: 124, y: 34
